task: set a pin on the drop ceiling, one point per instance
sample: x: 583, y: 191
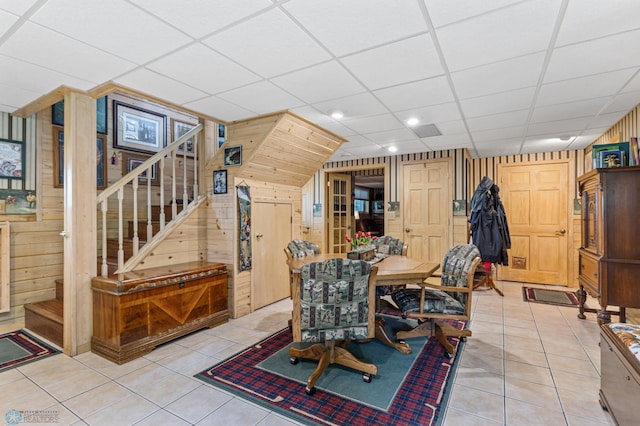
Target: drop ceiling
x: 498, y: 77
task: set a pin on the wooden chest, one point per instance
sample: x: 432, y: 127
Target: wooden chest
x: 136, y: 311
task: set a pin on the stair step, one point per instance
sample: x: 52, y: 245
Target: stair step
x: 127, y: 246
x: 155, y: 212
x: 142, y: 229
x: 45, y: 319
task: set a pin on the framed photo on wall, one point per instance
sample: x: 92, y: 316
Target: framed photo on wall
x: 233, y: 156
x: 219, y: 181
x: 58, y: 159
x: 57, y: 115
x: 137, y: 129
x: 130, y: 161
x: 179, y: 128
x: 12, y: 157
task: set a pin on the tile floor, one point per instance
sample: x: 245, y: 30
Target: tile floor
x: 526, y: 363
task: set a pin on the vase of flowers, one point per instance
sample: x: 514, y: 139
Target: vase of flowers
x: 362, y: 247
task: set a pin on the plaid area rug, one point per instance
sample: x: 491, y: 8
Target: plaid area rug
x: 19, y: 347
x: 549, y: 297
x: 417, y: 399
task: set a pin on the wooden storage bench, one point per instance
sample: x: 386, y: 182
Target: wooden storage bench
x: 136, y: 311
x: 620, y: 371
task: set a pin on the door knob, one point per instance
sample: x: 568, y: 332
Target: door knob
x: 259, y: 235
x: 407, y: 229
x: 561, y: 231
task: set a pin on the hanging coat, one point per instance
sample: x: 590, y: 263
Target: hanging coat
x: 488, y: 223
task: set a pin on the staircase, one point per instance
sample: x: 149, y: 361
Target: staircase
x: 45, y: 318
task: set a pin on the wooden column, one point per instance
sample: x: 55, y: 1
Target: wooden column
x: 80, y: 246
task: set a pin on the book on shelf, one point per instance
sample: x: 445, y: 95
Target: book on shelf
x: 624, y: 147
x: 612, y: 158
x: 635, y: 152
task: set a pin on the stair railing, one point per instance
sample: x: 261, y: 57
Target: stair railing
x: 126, y: 192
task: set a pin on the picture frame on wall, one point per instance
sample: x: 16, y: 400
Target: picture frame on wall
x: 233, y: 156
x: 130, y: 161
x: 58, y: 159
x: 219, y: 181
x: 57, y: 115
x: 179, y: 128
x: 138, y: 129
x: 222, y: 135
x: 12, y: 158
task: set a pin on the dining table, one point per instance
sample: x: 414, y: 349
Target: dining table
x: 392, y: 271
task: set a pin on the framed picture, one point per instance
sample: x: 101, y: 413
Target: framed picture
x: 11, y: 159
x: 222, y: 135
x: 130, y: 161
x: 611, y: 158
x: 178, y: 129
x: 57, y: 115
x: 136, y: 129
x: 233, y: 156
x: 219, y: 181
x: 459, y: 207
x: 58, y: 159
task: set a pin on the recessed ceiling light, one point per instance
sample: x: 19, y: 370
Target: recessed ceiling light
x: 337, y: 114
x: 412, y: 121
x: 392, y: 148
x: 564, y: 137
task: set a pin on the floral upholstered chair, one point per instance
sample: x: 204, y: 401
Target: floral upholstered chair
x: 451, y: 299
x: 301, y: 248
x: 333, y: 303
x: 390, y: 245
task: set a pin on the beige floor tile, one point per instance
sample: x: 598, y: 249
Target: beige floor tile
x: 455, y: 417
x: 527, y: 357
x: 491, y: 318
x: 581, y: 421
x: 74, y: 383
x: 110, y: 368
x: 520, y: 413
x: 198, y: 404
x: 9, y: 376
x: 98, y: 399
x: 188, y: 362
x: 578, y: 366
x: 479, y: 403
x: 575, y: 382
x: 584, y: 404
x: 486, y: 327
x: 532, y: 393
x: 23, y: 394
x: 482, y: 348
x: 161, y: 417
x: 530, y: 343
x: 480, y: 379
x: 475, y: 360
x: 159, y: 384
x: 528, y: 372
x: 125, y: 412
x: 235, y: 412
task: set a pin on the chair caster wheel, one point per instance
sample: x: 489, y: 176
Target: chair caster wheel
x: 310, y: 391
x: 293, y: 360
x: 366, y: 377
x: 448, y: 355
x: 463, y: 339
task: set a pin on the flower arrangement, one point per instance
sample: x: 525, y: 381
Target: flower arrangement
x: 361, y: 240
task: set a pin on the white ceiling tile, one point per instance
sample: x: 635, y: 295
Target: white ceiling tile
x: 358, y: 141
x: 622, y: 103
x: 586, y: 138
x: 492, y: 37
x: 36, y: 79
x: 199, y: 66
x: 262, y: 97
x: 406, y: 147
x: 38, y: 45
x: 606, y: 119
x: 17, y: 7
x: 593, y: 86
x: 577, y: 60
x: 378, y: 123
x: 447, y: 141
x: 589, y: 19
x: 432, y: 91
x: 339, y: 129
x: 287, y: 47
x: 496, y: 121
x: 502, y: 147
x: 432, y: 114
x: 13, y: 97
x: 516, y: 73
x: 407, y: 60
x: 634, y: 84
x: 6, y: 21
x: 319, y: 83
x: 559, y: 128
x: 498, y: 103
x: 544, y: 145
x: 219, y: 108
x: 569, y: 110
x: 347, y: 27
x: 362, y: 105
x: 442, y: 13
x: 135, y: 36
x: 453, y: 127
x: 161, y: 86
x: 499, y: 134
x: 202, y: 17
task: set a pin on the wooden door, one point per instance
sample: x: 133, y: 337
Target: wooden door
x: 271, y: 232
x: 427, y: 209
x: 536, y: 205
x: 339, y: 212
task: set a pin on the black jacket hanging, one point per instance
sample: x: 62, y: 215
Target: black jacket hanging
x: 489, y: 229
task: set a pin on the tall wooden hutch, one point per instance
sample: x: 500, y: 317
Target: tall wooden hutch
x: 609, y: 265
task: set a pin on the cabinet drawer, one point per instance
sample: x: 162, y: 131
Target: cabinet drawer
x: 589, y: 275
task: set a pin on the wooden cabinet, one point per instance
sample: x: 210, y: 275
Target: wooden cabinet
x: 136, y: 311
x: 609, y: 256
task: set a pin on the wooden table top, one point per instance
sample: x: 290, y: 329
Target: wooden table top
x: 390, y: 269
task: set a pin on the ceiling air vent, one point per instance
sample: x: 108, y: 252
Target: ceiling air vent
x: 426, y: 131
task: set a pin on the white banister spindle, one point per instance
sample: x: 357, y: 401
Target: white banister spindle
x: 162, y: 218
x: 105, y: 267
x: 120, y: 219
x: 136, y: 240
x: 195, y: 168
x: 174, y: 206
